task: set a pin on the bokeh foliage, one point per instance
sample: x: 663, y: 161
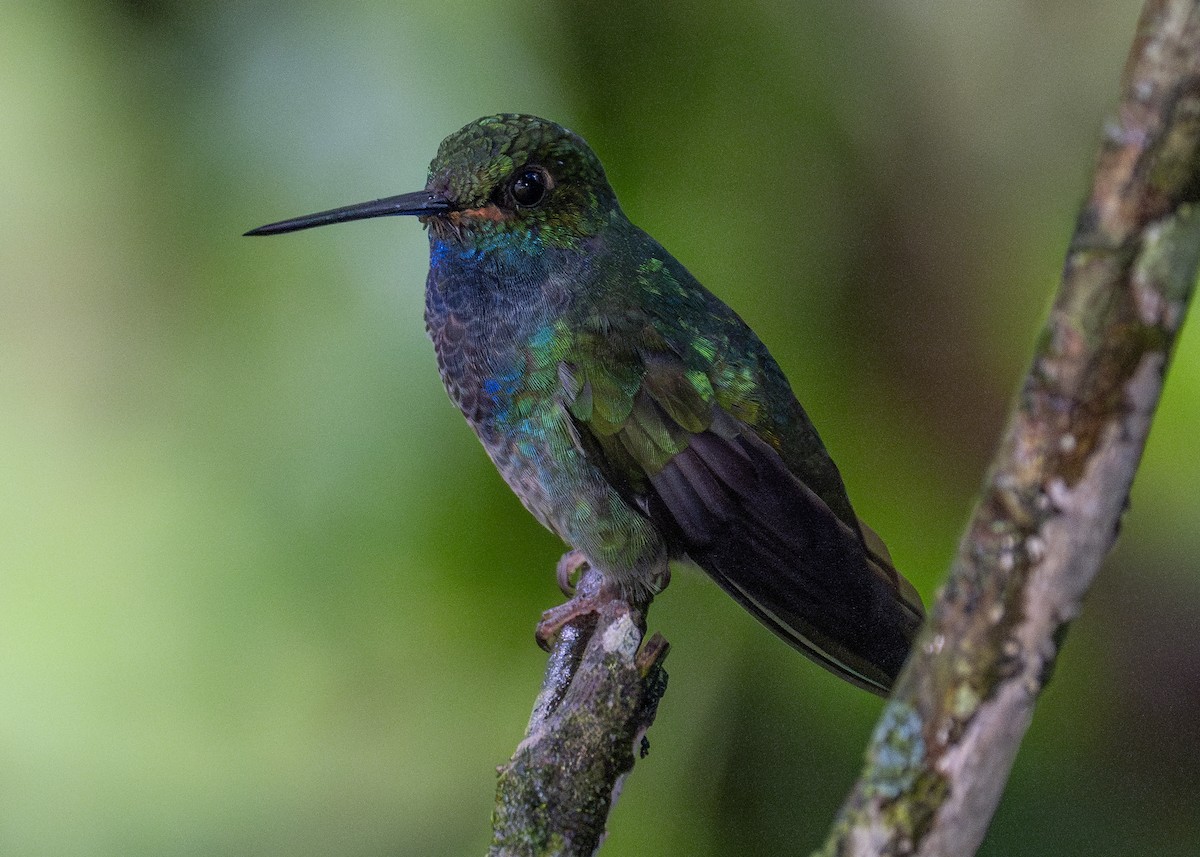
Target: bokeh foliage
x: 260, y: 590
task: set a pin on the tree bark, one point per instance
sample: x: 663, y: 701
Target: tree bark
x: 598, y: 698
x: 1058, y: 486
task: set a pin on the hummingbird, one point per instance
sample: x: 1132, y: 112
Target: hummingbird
x: 633, y: 413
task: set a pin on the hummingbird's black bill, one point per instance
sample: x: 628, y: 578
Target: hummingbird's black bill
x: 419, y: 203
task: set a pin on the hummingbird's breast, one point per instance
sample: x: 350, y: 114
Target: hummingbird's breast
x: 501, y: 332
x: 493, y: 328
x: 481, y: 315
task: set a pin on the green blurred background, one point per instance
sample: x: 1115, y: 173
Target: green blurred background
x: 260, y: 590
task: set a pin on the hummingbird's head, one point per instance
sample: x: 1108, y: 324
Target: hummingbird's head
x: 508, y: 180
x: 513, y: 178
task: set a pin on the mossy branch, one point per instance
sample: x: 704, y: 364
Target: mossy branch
x: 598, y: 698
x: 1058, y: 486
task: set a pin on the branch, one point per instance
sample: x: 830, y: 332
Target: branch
x: 598, y: 698
x: 1058, y: 486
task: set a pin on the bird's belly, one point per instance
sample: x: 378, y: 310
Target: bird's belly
x: 538, y: 455
x: 527, y: 461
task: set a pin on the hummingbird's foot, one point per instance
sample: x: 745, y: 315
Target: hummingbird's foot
x: 572, y: 563
x: 592, y: 594
x: 556, y: 618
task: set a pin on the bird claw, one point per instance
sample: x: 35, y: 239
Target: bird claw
x: 571, y: 563
x: 556, y: 618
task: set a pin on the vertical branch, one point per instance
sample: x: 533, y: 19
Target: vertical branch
x: 599, y: 697
x: 1053, y: 500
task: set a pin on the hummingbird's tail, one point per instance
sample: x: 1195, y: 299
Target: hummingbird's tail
x: 880, y: 561
x: 772, y: 543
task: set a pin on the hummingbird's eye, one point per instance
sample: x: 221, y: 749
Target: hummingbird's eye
x: 529, y: 187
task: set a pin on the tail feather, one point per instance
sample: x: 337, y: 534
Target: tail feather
x: 775, y: 547
x: 881, y: 563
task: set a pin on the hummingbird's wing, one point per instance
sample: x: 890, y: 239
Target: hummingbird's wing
x: 725, y: 499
